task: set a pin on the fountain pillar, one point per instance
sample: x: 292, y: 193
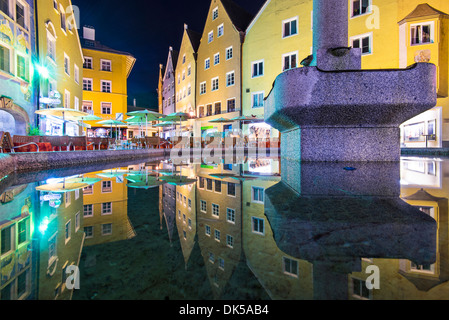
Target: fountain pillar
x: 332, y: 110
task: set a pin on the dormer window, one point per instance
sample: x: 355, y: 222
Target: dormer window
x: 215, y: 14
x: 421, y: 33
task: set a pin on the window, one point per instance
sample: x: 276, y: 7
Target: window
x: 258, y: 225
x: 106, y: 65
x: 359, y: 289
x: 208, y: 231
x: 68, y: 231
x: 5, y: 59
x: 106, y: 86
x: 215, y: 14
x: 201, y: 182
x: 20, y: 15
x: 106, y: 108
x: 106, y: 208
x: 22, y: 231
x: 106, y: 187
x: 216, y: 59
x: 52, y: 247
x: 257, y: 194
x: 66, y: 64
x: 360, y: 7
x: 209, y: 183
x: 217, y: 111
x: 88, y: 210
x: 217, y: 235
x: 203, y: 206
x: 230, y: 79
x: 210, y: 37
x: 289, y: 61
x: 257, y: 99
x: 215, y: 86
x: 231, y: 189
x: 88, y: 108
x: 89, y: 189
x: 423, y: 268
x: 88, y: 63
x: 63, y: 18
x: 51, y: 47
x: 207, y: 63
x: 230, y: 215
x: 67, y: 99
x: 257, y: 69
x: 421, y: 33
x: 183, y: 75
x: 76, y: 105
x: 6, y: 240
x: 290, y: 266
x: 211, y: 257
x: 87, y: 84
x: 106, y: 229
x: 77, y: 74
x: 189, y: 89
x: 221, y: 263
x: 290, y: 27
x: 4, y: 6
x: 362, y: 42
x: 22, y: 67
x: 217, y: 186
x: 229, y: 53
x: 89, y: 231
x: 189, y: 70
x: 215, y: 210
x: 220, y: 30
x: 200, y: 115
x: 77, y: 221
x: 209, y: 113
x: 230, y: 241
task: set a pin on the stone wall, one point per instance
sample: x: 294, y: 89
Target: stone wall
x: 33, y: 162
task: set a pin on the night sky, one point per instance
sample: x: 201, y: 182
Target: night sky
x: 146, y: 29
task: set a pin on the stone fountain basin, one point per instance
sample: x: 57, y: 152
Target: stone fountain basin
x: 310, y: 97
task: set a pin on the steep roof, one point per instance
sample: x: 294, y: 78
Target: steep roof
x: 239, y: 16
x: 422, y: 11
x: 97, y: 45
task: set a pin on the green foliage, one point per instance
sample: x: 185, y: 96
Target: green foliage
x: 34, y: 131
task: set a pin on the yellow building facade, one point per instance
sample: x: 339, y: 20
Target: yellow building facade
x: 105, y: 88
x: 60, y: 63
x: 218, y: 86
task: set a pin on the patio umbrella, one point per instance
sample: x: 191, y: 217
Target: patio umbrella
x: 178, y: 116
x: 68, y: 185
x: 112, y: 173
x: 64, y: 113
x: 112, y: 123
x: 178, y: 180
x: 143, y: 181
x: 221, y: 120
x: 147, y: 115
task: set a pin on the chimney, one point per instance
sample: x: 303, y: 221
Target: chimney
x: 89, y: 33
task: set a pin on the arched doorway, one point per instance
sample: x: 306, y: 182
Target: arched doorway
x: 13, y: 118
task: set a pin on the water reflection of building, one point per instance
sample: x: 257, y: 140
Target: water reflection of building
x: 167, y: 196
x: 106, y: 208
x: 219, y: 216
x: 186, y: 214
x: 17, y: 270
x: 61, y: 242
x: 282, y: 276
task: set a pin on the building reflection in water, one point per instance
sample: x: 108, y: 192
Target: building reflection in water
x: 298, y: 231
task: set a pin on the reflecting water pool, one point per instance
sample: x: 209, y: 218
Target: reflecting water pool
x: 256, y: 229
